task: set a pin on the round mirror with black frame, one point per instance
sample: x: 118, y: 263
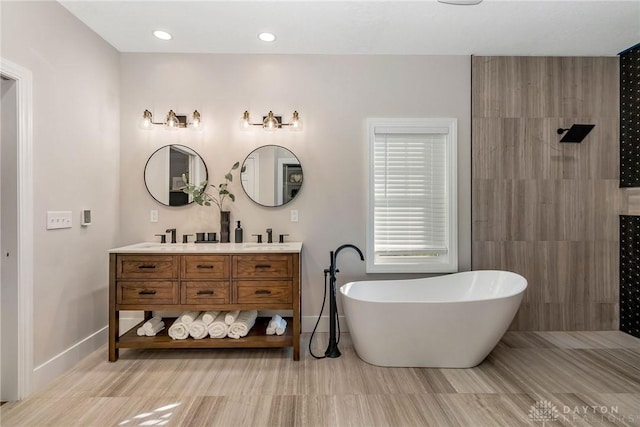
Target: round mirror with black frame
x: 272, y: 176
x: 163, y: 174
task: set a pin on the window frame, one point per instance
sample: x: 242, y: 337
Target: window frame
x: 437, y: 264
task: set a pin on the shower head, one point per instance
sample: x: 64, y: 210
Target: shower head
x: 575, y: 133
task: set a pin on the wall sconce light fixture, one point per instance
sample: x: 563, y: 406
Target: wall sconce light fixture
x: 173, y: 121
x: 576, y: 133
x: 271, y: 122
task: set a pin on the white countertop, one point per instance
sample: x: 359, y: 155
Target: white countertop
x: 209, y: 248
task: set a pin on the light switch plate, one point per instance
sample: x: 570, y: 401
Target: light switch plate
x: 153, y: 217
x: 294, y: 215
x: 58, y: 219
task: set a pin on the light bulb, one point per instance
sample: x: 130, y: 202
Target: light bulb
x: 172, y: 122
x: 196, y: 122
x: 245, y: 123
x: 147, y: 120
x: 296, y: 122
x: 270, y: 123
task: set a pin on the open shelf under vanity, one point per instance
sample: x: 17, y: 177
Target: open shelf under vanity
x: 256, y: 338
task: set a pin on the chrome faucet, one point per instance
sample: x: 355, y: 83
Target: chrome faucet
x: 173, y: 234
x: 269, y: 235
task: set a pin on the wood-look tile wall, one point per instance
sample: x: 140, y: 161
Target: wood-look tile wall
x: 546, y: 210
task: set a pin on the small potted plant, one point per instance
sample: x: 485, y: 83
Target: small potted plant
x: 200, y: 196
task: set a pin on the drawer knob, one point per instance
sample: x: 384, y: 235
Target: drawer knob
x: 147, y: 266
x: 205, y: 292
x: 147, y: 292
x: 204, y: 266
x: 263, y: 292
x: 263, y: 266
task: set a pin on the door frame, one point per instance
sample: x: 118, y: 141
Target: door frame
x: 24, y: 89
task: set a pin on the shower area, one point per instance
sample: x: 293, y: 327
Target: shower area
x: 542, y: 208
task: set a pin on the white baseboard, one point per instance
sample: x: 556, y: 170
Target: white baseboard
x: 127, y: 323
x: 62, y: 362
x: 308, y: 322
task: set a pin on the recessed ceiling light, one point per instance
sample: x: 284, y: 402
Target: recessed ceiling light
x: 162, y: 35
x: 267, y: 37
x: 461, y: 2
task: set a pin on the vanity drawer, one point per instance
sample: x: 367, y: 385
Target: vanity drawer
x: 205, y: 267
x: 205, y: 293
x: 262, y: 266
x: 270, y: 292
x: 147, y: 267
x: 148, y: 293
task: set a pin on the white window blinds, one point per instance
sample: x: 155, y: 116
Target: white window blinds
x: 410, y: 209
x: 409, y: 196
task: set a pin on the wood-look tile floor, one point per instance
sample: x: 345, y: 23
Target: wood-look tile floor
x: 531, y: 378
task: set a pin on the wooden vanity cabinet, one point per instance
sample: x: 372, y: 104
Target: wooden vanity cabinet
x: 221, y: 281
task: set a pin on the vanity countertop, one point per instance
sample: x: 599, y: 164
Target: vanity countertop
x: 207, y: 248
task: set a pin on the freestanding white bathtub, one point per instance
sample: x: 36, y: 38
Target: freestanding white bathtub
x: 451, y: 321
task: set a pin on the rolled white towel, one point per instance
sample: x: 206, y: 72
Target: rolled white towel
x: 155, y: 330
x: 243, y: 324
x: 179, y: 331
x: 187, y: 317
x: 281, y: 327
x: 218, y: 328
x: 231, y: 316
x: 277, y: 325
x: 141, y: 332
x: 209, y: 316
x: 152, y: 324
x: 197, y: 329
x: 271, y: 326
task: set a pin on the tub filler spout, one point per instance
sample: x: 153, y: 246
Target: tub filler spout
x: 332, y: 349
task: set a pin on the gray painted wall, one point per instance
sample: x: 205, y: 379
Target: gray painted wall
x: 334, y: 95
x: 76, y: 142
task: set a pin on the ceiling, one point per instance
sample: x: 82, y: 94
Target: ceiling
x: 427, y: 27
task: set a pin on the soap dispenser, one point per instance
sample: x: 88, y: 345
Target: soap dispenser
x: 238, y: 233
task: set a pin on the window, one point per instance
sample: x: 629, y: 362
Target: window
x: 412, y: 216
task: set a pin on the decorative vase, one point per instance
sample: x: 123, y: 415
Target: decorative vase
x: 225, y: 220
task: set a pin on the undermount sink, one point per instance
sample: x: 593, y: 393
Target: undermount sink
x: 268, y: 246
x: 160, y: 246
x: 151, y: 247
